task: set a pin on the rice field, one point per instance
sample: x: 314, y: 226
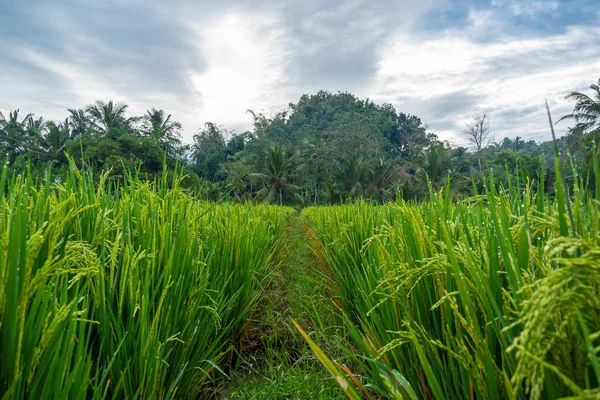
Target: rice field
x: 136, y: 290
x: 131, y: 290
x: 492, y: 297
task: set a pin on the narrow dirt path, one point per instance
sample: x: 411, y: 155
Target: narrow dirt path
x: 277, y: 363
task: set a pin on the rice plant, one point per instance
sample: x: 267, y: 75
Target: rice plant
x: 124, y: 290
x: 495, y: 296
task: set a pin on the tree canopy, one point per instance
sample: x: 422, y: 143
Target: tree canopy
x: 325, y: 148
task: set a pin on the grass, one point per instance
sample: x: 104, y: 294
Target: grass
x: 287, y: 382
x: 278, y: 364
x: 492, y: 297
x: 136, y: 290
x: 130, y: 290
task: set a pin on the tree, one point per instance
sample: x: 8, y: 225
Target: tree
x: 412, y: 135
x: 383, y: 175
x: 236, y: 171
x: 209, y: 151
x: 52, y: 144
x: 518, y: 143
x: 165, y: 132
x: 108, y: 119
x: 13, y: 135
x: 337, y: 146
x: 236, y: 144
x: 312, y: 156
x: 33, y: 127
x: 586, y: 114
x: 352, y: 176
x: 435, y: 163
x: 275, y: 177
x: 79, y: 122
x: 478, y: 134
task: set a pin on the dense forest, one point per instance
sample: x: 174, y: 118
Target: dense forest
x: 325, y: 148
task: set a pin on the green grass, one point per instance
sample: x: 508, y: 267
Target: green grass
x: 287, y: 382
x: 492, y: 297
x: 277, y: 364
x: 132, y: 290
x: 136, y: 290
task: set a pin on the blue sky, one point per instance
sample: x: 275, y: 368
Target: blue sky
x: 444, y: 61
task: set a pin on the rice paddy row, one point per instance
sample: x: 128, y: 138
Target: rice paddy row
x: 493, y: 297
x: 124, y: 291
x: 137, y: 290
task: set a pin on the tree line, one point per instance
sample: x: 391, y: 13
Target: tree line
x: 325, y: 148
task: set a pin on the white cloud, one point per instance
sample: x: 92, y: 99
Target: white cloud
x: 245, y: 68
x: 507, y: 77
x: 238, y: 58
x: 528, y: 8
x: 81, y: 83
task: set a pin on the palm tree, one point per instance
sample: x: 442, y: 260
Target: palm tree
x: 275, y: 176
x: 586, y: 114
x: 313, y: 157
x: 34, y: 130
x: 164, y: 131
x: 332, y: 192
x: 52, y: 144
x: 212, y: 190
x: 34, y: 127
x: 79, y: 123
x: 107, y: 119
x: 13, y: 136
x: 352, y: 176
x: 435, y: 162
x: 518, y: 143
x: 382, y: 176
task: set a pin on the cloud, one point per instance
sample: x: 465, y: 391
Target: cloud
x: 530, y: 8
x: 509, y: 78
x: 246, y: 67
x: 70, y: 54
x: 211, y: 61
x: 517, y: 17
x: 334, y: 44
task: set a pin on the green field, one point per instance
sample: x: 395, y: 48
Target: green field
x: 135, y: 289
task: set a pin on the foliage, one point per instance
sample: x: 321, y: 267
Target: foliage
x: 491, y: 297
x: 586, y: 114
x: 124, y: 290
x: 340, y: 148
x: 165, y: 132
x: 277, y: 165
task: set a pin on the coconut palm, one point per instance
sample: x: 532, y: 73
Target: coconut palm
x: 435, y: 163
x: 165, y: 132
x: 13, y: 136
x: 34, y: 127
x: 586, y: 114
x: 383, y: 174
x: 51, y: 145
x: 108, y: 119
x: 352, y: 174
x: 34, y: 130
x: 275, y: 178
x: 79, y: 123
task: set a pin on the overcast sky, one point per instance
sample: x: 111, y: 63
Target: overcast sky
x: 444, y: 61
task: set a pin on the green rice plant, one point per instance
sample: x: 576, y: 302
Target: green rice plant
x: 124, y: 290
x: 491, y: 297
x: 330, y: 366
x: 44, y: 317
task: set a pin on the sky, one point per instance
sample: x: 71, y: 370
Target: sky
x: 444, y: 61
